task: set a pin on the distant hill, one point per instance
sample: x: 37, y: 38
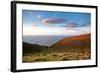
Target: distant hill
x: 43, y: 40
x: 81, y: 41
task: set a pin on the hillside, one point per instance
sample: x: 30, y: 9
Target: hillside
x: 69, y: 48
x: 82, y: 41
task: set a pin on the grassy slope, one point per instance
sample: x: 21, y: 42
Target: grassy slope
x: 75, y: 41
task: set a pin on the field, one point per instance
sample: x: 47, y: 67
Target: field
x: 55, y: 57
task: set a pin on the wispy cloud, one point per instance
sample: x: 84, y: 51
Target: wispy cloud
x: 53, y: 21
x: 72, y: 25
x: 39, y: 16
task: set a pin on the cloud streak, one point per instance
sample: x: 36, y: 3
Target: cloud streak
x: 53, y: 21
x: 72, y: 25
x: 75, y: 25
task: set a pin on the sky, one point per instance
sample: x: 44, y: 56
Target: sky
x: 55, y: 23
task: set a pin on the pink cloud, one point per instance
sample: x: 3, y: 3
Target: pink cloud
x: 53, y: 20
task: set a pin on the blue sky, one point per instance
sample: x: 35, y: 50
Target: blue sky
x: 55, y: 23
x: 51, y: 18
